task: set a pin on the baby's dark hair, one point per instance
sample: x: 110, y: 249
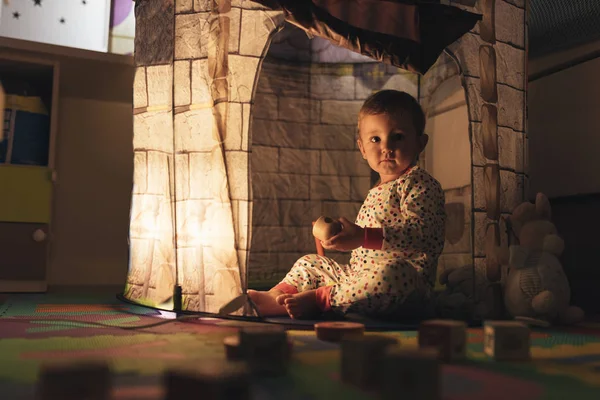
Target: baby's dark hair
x: 393, y: 102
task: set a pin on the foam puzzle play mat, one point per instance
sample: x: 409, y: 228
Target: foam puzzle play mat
x: 125, y: 351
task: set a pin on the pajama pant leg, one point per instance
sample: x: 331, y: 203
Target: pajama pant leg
x: 313, y: 271
x: 378, y: 290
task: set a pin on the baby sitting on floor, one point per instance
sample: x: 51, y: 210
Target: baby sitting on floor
x: 398, y: 235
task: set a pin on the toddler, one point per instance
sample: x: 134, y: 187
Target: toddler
x: 398, y: 235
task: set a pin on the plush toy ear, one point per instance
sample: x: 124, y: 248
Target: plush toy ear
x: 522, y: 214
x: 542, y: 207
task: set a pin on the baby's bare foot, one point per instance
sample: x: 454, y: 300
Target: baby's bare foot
x: 301, y: 305
x: 266, y: 303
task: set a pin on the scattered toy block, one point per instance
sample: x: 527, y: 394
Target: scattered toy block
x: 265, y: 349
x: 449, y: 337
x: 410, y: 374
x: 234, y: 352
x: 85, y: 380
x: 337, y: 331
x: 361, y: 360
x: 211, y: 381
x: 506, y: 340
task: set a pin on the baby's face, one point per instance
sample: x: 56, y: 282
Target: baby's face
x: 389, y: 144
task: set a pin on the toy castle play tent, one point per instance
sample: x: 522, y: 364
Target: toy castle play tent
x: 232, y: 164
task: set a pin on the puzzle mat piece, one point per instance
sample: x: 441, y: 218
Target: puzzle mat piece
x: 307, y: 382
x: 54, y: 304
x: 314, y: 368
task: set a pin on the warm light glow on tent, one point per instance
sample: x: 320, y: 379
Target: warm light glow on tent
x: 197, y: 67
x: 192, y: 102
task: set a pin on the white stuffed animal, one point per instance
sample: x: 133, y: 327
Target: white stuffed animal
x: 536, y: 286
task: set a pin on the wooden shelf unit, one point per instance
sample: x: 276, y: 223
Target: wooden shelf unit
x: 26, y: 190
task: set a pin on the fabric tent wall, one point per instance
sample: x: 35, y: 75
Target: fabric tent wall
x: 197, y: 68
x: 448, y: 158
x: 193, y: 97
x: 492, y: 65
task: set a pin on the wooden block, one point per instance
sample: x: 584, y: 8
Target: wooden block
x: 88, y: 380
x: 337, y: 331
x: 413, y: 374
x: 506, y: 340
x: 211, y: 381
x: 233, y: 350
x: 265, y: 349
x: 449, y: 337
x: 325, y: 228
x: 362, y: 359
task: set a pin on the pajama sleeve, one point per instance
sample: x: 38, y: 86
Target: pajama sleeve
x: 420, y: 224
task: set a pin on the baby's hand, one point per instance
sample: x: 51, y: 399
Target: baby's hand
x: 351, y: 237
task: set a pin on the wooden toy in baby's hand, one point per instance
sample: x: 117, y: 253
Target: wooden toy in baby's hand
x: 325, y: 228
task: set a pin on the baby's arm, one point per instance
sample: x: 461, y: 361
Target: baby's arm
x: 417, y: 223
